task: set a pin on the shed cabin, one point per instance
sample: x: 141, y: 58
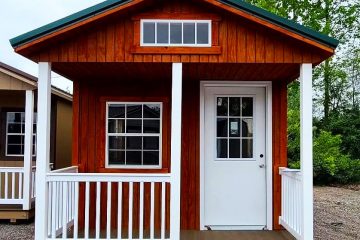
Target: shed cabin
x: 180, y: 121
x: 18, y: 100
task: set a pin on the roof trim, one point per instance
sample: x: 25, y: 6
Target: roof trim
x: 236, y: 4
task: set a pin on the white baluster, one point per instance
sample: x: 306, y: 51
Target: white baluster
x: 87, y: 208
x: 119, y: 217
x: 131, y: 192
x: 141, y: 217
x: 108, y: 213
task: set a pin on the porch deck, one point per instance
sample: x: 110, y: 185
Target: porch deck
x: 235, y: 235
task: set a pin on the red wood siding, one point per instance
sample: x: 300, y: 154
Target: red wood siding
x: 236, y: 40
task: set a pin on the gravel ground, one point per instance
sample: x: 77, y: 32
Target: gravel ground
x: 337, y: 213
x: 337, y: 216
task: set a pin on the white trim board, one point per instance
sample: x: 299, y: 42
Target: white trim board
x: 269, y: 161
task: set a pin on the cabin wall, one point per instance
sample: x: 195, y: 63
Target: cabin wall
x: 90, y: 97
x: 236, y: 40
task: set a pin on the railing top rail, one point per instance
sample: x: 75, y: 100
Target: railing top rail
x: 11, y: 169
x: 291, y: 173
x: 106, y: 177
x: 72, y: 169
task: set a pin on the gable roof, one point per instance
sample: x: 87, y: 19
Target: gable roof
x: 111, y: 4
x: 31, y: 80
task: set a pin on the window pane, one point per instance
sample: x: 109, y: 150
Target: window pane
x: 234, y: 148
x: 202, y: 33
x: 247, y: 148
x: 222, y: 127
x: 117, y: 157
x: 134, y: 111
x: 151, y: 143
x: 151, y: 126
x: 15, y: 149
x: 15, y: 139
x: 134, y: 143
x: 133, y: 126
x: 116, y: 143
x: 116, y: 126
x: 222, y: 148
x: 247, y: 107
x: 10, y: 117
x: 234, y: 108
x: 152, y: 111
x: 151, y: 158
x: 247, y: 128
x: 162, y: 33
x: 189, y: 33
x: 234, y: 128
x: 149, y: 32
x: 175, y: 33
x: 133, y: 158
x: 117, y: 111
x: 14, y: 127
x: 34, y: 129
x: 222, y: 106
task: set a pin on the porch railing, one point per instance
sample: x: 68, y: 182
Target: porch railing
x: 11, y: 185
x: 291, y: 201
x: 108, y: 206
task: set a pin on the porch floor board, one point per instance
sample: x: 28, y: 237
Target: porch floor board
x: 235, y: 235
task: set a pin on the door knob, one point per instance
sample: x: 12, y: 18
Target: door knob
x: 262, y: 166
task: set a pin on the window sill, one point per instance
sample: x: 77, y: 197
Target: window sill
x: 177, y: 50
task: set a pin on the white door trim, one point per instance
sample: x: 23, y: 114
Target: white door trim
x: 268, y: 147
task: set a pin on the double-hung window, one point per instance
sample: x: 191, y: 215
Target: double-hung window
x: 15, y: 134
x: 133, y: 135
x: 176, y: 33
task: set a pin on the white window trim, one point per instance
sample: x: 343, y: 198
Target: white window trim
x: 16, y: 134
x: 142, y: 44
x: 115, y: 166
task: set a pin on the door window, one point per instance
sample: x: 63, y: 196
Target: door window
x: 235, y: 130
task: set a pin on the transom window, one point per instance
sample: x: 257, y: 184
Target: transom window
x: 134, y: 135
x: 15, y: 134
x: 189, y: 33
x: 235, y: 128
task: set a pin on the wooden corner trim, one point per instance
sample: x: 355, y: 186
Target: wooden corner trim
x: 214, y: 50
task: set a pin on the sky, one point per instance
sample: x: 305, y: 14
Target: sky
x: 20, y: 16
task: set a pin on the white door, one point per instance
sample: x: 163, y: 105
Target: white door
x: 234, y: 178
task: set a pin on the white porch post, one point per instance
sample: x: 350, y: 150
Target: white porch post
x: 306, y: 150
x: 43, y: 150
x: 28, y: 148
x: 176, y: 108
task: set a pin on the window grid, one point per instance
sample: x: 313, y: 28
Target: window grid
x: 125, y: 134
x: 182, y: 44
x: 21, y: 134
x: 228, y: 137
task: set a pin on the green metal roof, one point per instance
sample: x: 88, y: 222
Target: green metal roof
x: 238, y: 4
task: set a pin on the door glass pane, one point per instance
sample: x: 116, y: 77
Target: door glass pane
x: 247, y: 107
x: 149, y: 33
x: 234, y: 127
x: 247, y: 127
x: 202, y: 33
x: 189, y: 33
x: 163, y: 33
x: 175, y: 33
x: 151, y: 158
x: 222, y: 148
x: 234, y: 109
x: 247, y: 148
x: 222, y: 106
x: 133, y: 158
x: 222, y: 128
x: 234, y: 148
